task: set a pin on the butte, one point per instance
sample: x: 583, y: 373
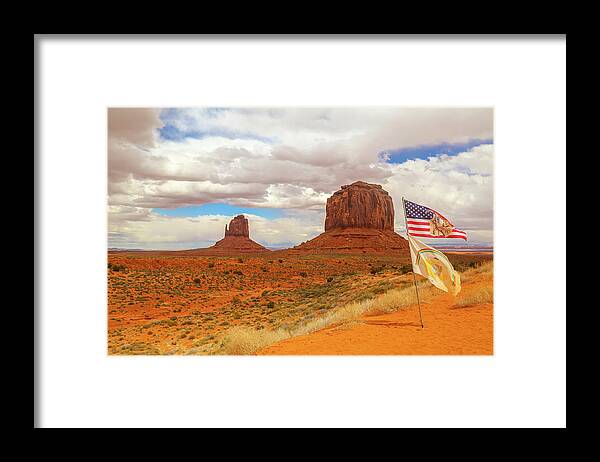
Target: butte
x: 236, y: 240
x: 358, y: 218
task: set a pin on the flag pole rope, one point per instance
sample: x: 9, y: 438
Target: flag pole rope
x: 413, y: 270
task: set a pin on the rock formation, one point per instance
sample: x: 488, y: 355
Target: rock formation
x: 360, y: 205
x: 236, y: 240
x: 238, y: 227
x: 358, y: 218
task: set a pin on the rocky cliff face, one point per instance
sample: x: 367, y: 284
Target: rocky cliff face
x: 238, y: 227
x: 360, y: 205
x: 358, y: 218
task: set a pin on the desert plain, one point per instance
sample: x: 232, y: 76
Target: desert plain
x: 165, y: 303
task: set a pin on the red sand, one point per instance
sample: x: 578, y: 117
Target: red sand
x: 449, y: 330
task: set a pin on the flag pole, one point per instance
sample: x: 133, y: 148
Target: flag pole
x: 413, y: 272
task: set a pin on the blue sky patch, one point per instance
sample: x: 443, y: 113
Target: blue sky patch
x: 219, y: 209
x: 424, y: 151
x: 175, y: 118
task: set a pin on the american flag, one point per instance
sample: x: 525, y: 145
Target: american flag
x: 425, y: 222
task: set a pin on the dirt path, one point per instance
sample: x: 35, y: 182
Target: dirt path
x: 449, y: 330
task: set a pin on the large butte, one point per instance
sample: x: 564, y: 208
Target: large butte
x: 358, y: 218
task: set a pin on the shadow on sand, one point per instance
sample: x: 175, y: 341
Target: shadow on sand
x: 393, y: 324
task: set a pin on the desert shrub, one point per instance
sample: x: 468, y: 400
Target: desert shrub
x: 264, y: 269
x: 280, y: 260
x: 226, y: 272
x: 238, y: 272
x: 460, y: 267
x: 383, y: 287
x: 366, y: 295
x: 271, y: 305
x: 303, y: 274
x: 109, y: 265
x: 330, y: 278
x: 118, y: 267
x: 241, y: 260
x: 482, y: 268
x: 197, y: 280
x: 211, y: 265
x: 376, y: 269
x: 265, y: 293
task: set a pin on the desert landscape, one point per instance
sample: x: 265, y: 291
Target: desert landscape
x: 349, y: 290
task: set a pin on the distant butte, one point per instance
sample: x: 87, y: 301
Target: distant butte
x: 358, y: 217
x: 236, y: 240
x: 238, y: 227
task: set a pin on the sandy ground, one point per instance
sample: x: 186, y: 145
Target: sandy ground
x: 449, y: 330
x: 179, y: 303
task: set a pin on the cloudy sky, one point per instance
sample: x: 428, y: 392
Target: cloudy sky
x: 177, y: 176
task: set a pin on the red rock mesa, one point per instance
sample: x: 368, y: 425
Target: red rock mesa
x: 360, y: 205
x: 358, y: 218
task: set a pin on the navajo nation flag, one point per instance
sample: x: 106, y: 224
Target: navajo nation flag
x: 434, y: 265
x: 425, y: 222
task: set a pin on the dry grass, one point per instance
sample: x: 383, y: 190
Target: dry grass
x: 245, y: 340
x: 477, y: 297
x: 485, y: 268
x: 394, y: 300
x: 481, y: 295
x: 340, y: 315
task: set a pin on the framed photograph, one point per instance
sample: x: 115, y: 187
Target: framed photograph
x: 296, y: 232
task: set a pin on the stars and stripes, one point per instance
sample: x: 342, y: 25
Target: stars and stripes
x: 422, y: 221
